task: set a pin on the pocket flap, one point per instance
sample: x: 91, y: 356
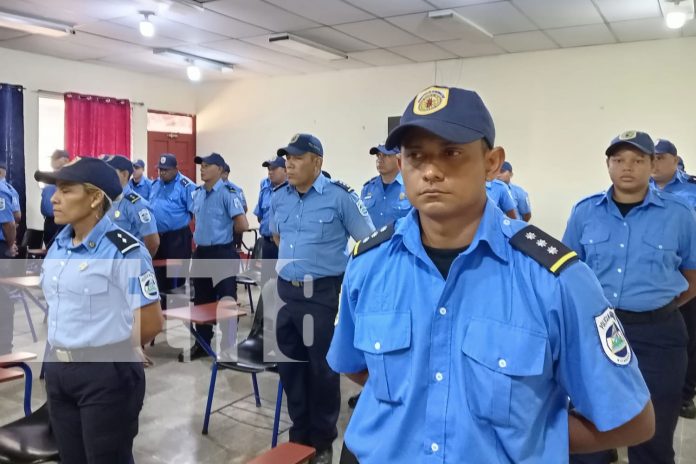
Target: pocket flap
x: 592, y: 235
x: 379, y: 333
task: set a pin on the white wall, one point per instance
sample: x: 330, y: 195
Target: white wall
x: 555, y: 112
x: 46, y: 73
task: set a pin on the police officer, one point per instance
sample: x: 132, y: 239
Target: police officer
x: 226, y: 180
x: 218, y: 212
x: 102, y: 301
x: 59, y: 158
x: 276, y: 176
x: 130, y: 211
x: 171, y: 200
x: 139, y: 183
x: 470, y: 330
x: 667, y: 177
x: 8, y: 249
x: 384, y: 195
x: 502, y: 197
x: 641, y: 244
x: 311, y: 220
x: 7, y: 187
x: 523, y: 209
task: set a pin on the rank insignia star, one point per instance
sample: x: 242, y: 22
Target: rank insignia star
x: 552, y: 250
x: 541, y: 243
x: 530, y: 236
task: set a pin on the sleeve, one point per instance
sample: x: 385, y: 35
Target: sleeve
x: 355, y: 217
x: 242, y: 197
x: 342, y: 355
x: 572, y: 234
x: 596, y: 365
x: 144, y: 219
x: 6, y: 208
x: 272, y: 212
x: 523, y: 205
x: 687, y: 242
x: 234, y: 205
x: 363, y: 192
x: 189, y: 189
x: 257, y: 208
x: 138, y: 277
x: 507, y: 203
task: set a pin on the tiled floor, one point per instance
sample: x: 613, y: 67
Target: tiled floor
x: 172, y: 418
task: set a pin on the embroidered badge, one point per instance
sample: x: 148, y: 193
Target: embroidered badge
x: 2, y: 204
x: 361, y: 207
x: 613, y: 340
x: 294, y: 138
x: 144, y: 216
x: 163, y: 160
x: 148, y: 285
x: 628, y: 135
x: 431, y: 100
x: 117, y: 214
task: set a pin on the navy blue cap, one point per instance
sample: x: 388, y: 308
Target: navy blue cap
x: 167, y: 161
x: 139, y: 164
x: 637, y: 139
x: 383, y: 150
x: 213, y: 158
x: 278, y: 162
x: 85, y: 170
x: 456, y: 115
x: 119, y: 162
x: 665, y: 146
x: 506, y: 167
x: 301, y: 144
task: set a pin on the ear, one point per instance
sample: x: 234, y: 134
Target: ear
x: 608, y: 161
x: 494, y: 159
x: 398, y: 161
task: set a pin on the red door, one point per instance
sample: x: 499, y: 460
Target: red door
x: 180, y: 144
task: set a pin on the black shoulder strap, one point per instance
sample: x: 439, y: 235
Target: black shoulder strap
x: 691, y: 179
x: 280, y: 186
x: 544, y: 249
x: 375, y: 239
x: 345, y: 187
x: 133, y: 197
x: 231, y: 189
x: 124, y: 241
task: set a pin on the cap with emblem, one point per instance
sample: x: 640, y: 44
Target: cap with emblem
x: 506, y: 167
x: 301, y: 144
x: 139, y: 164
x: 665, y: 146
x: 277, y: 162
x: 167, y: 161
x: 120, y: 162
x: 636, y: 139
x: 383, y: 150
x: 85, y: 170
x: 456, y: 115
x: 60, y: 154
x: 213, y: 158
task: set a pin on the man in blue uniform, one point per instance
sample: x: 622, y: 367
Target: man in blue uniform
x: 523, y: 208
x: 140, y: 184
x: 226, y: 180
x: 7, y: 187
x: 469, y: 330
x: 171, y: 200
x: 641, y: 244
x: 502, y: 197
x: 667, y: 177
x: 384, y: 196
x: 311, y: 220
x: 218, y: 212
x: 8, y: 249
x: 130, y: 211
x: 276, y: 176
x: 59, y: 158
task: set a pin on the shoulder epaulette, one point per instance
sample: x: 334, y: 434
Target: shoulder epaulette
x: 280, y: 186
x: 369, y: 180
x: 345, y: 187
x: 185, y: 181
x: 544, y: 249
x: 133, y: 197
x: 231, y: 189
x: 124, y: 241
x: 691, y: 179
x: 373, y: 240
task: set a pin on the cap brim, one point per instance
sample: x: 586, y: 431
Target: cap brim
x: 613, y: 146
x: 265, y: 164
x: 447, y: 130
x: 51, y: 177
x: 198, y: 159
x: 374, y: 150
x: 291, y: 151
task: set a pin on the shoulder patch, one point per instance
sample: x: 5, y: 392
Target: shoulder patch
x: 124, y: 241
x: 345, y: 187
x: 133, y: 197
x: 280, y: 186
x: 373, y: 240
x: 185, y: 181
x: 544, y: 249
x: 369, y: 181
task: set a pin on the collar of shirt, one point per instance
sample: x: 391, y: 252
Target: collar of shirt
x: 652, y: 197
x: 399, y: 178
x: 218, y: 185
x: 126, y: 190
x: 489, y: 231
x: 318, y: 185
x: 64, y: 238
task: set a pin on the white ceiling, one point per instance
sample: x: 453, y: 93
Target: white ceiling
x: 370, y: 32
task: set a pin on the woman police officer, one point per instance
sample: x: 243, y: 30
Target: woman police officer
x: 102, y: 301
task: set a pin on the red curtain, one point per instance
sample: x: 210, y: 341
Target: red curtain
x: 96, y: 126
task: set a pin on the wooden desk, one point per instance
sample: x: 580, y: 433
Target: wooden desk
x: 37, y: 251
x: 285, y: 453
x: 24, y: 284
x: 12, y: 373
x: 167, y: 262
x: 208, y: 313
x: 15, y: 358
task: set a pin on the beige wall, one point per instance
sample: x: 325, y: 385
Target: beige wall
x: 555, y: 112
x: 42, y: 72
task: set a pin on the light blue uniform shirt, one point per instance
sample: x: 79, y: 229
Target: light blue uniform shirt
x: 4, y: 185
x: 385, y: 205
x: 215, y: 211
x: 521, y: 200
x: 46, y: 205
x: 314, y: 228
x: 681, y: 186
x: 238, y: 190
x: 92, y: 289
x: 142, y: 188
x: 636, y: 258
x: 132, y: 213
x: 5, y: 211
x: 172, y: 202
x: 478, y: 368
x: 263, y: 208
x: 498, y: 191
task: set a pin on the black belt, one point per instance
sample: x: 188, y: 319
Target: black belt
x: 116, y: 352
x: 212, y: 247
x: 301, y: 283
x: 644, y: 317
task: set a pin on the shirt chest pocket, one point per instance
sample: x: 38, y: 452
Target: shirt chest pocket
x: 319, y: 225
x: 500, y: 363
x: 385, y: 340
x: 660, y: 251
x: 91, y: 293
x: 595, y: 243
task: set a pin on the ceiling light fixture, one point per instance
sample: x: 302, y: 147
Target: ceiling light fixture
x: 35, y: 25
x: 677, y: 12
x: 147, y: 29
x: 189, y: 58
x: 189, y: 3
x: 445, y: 16
x: 193, y: 72
x: 306, y: 47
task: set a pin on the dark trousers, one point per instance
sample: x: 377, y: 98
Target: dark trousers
x: 175, y: 244
x: 203, y: 289
x: 94, y: 409
x: 312, y: 388
x: 269, y: 255
x: 50, y: 230
x: 6, y: 305
x: 689, y: 314
x: 660, y: 347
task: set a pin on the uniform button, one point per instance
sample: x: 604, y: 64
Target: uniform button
x: 591, y: 241
x: 618, y: 270
x: 55, y: 278
x: 292, y: 246
x: 659, y: 246
x: 625, y: 224
x: 62, y: 263
x: 443, y: 311
x: 434, y: 447
x: 616, y: 295
x: 502, y: 363
x: 381, y: 214
x: 506, y: 222
x: 621, y: 245
x: 439, y: 377
x: 69, y: 252
x: 378, y: 346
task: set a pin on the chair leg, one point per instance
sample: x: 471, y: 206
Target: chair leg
x: 276, y: 418
x: 31, y: 323
x: 251, y: 299
x: 211, y: 392
x: 257, y: 397
x: 28, y: 379
x: 43, y: 364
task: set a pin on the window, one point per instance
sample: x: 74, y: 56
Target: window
x: 161, y: 122
x: 51, y: 129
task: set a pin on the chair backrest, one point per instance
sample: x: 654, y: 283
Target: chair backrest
x: 256, y: 331
x: 32, y: 238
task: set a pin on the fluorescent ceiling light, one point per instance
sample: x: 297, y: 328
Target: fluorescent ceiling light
x: 147, y: 29
x: 189, y: 58
x: 34, y: 25
x: 451, y: 16
x: 193, y: 72
x: 306, y: 47
x: 677, y: 12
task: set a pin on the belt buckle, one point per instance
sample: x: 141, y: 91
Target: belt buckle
x: 296, y: 283
x: 63, y: 355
